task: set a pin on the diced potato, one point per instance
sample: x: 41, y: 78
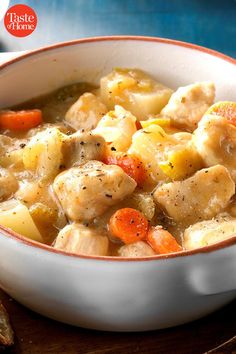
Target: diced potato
x: 12, y: 158
x: 208, y: 232
x: 161, y: 121
x: 11, y: 151
x: 16, y: 216
x: 46, y: 220
x: 141, y: 201
x: 150, y: 145
x: 86, y: 112
x: 117, y: 128
x: 42, y: 214
x: 34, y: 193
x: 165, y: 156
x: 8, y: 184
x: 137, y: 249
x: 79, y: 239
x: 43, y: 153
x: 182, y: 163
x: 135, y: 91
x: 30, y: 192
x: 183, y: 137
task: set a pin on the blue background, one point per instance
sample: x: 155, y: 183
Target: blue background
x: 211, y: 23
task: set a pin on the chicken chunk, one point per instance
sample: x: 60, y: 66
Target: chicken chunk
x: 8, y: 184
x: 79, y: 239
x: 201, y: 196
x: 86, y: 112
x: 188, y: 104
x: 215, y: 140
x: 137, y: 249
x: 79, y: 148
x: 86, y: 192
x: 206, y: 233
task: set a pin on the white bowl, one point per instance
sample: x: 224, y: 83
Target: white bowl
x: 108, y: 293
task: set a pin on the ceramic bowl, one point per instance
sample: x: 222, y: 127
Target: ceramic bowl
x: 106, y: 293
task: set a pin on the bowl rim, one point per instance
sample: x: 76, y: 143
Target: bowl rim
x: 206, y: 249
x: 175, y: 42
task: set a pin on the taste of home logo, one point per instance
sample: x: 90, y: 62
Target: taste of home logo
x: 20, y: 20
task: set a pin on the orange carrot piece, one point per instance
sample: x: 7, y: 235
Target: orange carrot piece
x: 129, y: 225
x: 225, y: 109
x: 162, y: 241
x: 20, y: 120
x: 130, y: 164
x: 138, y: 125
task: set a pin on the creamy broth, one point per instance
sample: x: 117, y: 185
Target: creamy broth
x: 128, y: 168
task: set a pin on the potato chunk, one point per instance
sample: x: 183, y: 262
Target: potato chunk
x: 182, y: 162
x: 201, y: 196
x: 165, y: 156
x: 150, y: 145
x: 143, y: 202
x: 8, y: 184
x: 208, y: 232
x: 215, y: 140
x: 117, y: 128
x: 16, y: 216
x: 188, y: 104
x: 79, y: 148
x: 86, y: 112
x: 43, y: 153
x: 79, y: 239
x: 135, y: 91
x: 86, y: 192
x: 11, y: 151
x: 137, y: 249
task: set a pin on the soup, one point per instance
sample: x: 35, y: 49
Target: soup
x: 127, y: 169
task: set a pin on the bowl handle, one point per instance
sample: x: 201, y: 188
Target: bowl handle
x: 216, y: 273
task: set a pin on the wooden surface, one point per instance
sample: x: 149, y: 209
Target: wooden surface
x: 36, y: 334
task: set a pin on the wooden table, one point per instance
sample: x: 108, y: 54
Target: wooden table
x: 38, y: 335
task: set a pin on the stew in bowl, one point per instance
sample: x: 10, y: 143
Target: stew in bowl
x: 129, y: 168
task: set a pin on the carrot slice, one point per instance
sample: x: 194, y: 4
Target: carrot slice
x: 162, y: 241
x: 138, y: 125
x: 129, y: 225
x: 20, y: 120
x: 225, y: 109
x: 130, y: 164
